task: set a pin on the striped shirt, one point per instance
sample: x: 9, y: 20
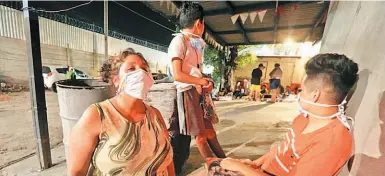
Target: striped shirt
x: 320, y: 153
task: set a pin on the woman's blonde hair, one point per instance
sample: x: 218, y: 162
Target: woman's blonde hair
x: 112, y: 66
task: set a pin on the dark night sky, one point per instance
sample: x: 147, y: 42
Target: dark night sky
x: 120, y: 19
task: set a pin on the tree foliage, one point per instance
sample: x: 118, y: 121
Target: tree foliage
x: 245, y: 59
x: 212, y: 58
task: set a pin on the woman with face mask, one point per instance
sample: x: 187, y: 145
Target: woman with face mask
x: 122, y: 135
x: 319, y: 141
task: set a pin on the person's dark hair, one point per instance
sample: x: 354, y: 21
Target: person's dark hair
x: 277, y: 65
x: 111, y: 66
x: 189, y: 13
x: 334, y: 72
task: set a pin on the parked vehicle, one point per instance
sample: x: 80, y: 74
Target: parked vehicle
x: 53, y: 74
x: 157, y: 76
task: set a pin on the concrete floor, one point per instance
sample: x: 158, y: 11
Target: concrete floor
x: 246, y: 130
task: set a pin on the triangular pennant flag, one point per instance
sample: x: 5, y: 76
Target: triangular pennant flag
x: 244, y: 17
x: 234, y: 18
x: 252, y: 16
x: 161, y: 3
x: 261, y: 15
x: 168, y: 4
x: 173, y: 7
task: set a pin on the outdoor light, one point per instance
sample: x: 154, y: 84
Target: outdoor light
x: 289, y: 43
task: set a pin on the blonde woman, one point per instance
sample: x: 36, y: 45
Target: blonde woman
x: 122, y: 135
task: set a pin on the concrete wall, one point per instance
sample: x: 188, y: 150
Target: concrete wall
x: 14, y: 63
x: 62, y: 45
x: 357, y: 29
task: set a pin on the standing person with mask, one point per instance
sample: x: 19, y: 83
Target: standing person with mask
x: 319, y: 141
x: 275, y: 81
x: 186, y: 54
x: 122, y: 135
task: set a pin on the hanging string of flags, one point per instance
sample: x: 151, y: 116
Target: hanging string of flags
x: 252, y: 15
x: 210, y: 40
x: 279, y: 10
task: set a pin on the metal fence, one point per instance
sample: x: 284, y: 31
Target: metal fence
x: 61, y: 30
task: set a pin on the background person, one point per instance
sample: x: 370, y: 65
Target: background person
x: 238, y: 91
x: 275, y: 81
x: 71, y: 73
x: 186, y: 54
x: 319, y: 141
x: 263, y: 92
x: 255, y: 87
x: 122, y: 135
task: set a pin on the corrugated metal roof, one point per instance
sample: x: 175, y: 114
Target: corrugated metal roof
x: 232, y: 38
x: 296, y: 22
x: 220, y: 23
x: 211, y: 5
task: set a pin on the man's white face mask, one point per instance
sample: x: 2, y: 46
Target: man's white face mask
x: 340, y: 114
x: 136, y: 83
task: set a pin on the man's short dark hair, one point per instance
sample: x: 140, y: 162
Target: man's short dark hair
x: 334, y: 72
x: 277, y: 65
x: 189, y: 13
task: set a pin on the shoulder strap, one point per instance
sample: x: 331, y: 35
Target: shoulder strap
x: 100, y: 110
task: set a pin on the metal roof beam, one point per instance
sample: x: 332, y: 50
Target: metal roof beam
x: 317, y: 19
x: 254, y: 7
x: 238, y: 23
x: 251, y: 43
x: 215, y: 36
x: 267, y: 29
x: 276, y: 22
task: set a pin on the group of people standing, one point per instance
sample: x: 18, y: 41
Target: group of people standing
x: 274, y: 82
x: 125, y: 136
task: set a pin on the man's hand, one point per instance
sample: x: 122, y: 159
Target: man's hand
x: 231, y: 164
x: 210, y: 86
x: 254, y: 164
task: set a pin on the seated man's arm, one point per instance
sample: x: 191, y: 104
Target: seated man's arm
x: 323, y: 160
x: 238, y: 166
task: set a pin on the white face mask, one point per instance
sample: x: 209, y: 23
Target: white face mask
x: 136, y: 83
x: 197, y: 43
x: 340, y: 114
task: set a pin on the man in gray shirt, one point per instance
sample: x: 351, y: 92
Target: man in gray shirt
x: 275, y: 81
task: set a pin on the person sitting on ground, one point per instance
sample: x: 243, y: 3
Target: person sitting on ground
x: 238, y: 91
x: 288, y: 91
x: 222, y: 92
x: 263, y: 92
x: 122, y: 135
x: 281, y: 93
x: 319, y: 140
